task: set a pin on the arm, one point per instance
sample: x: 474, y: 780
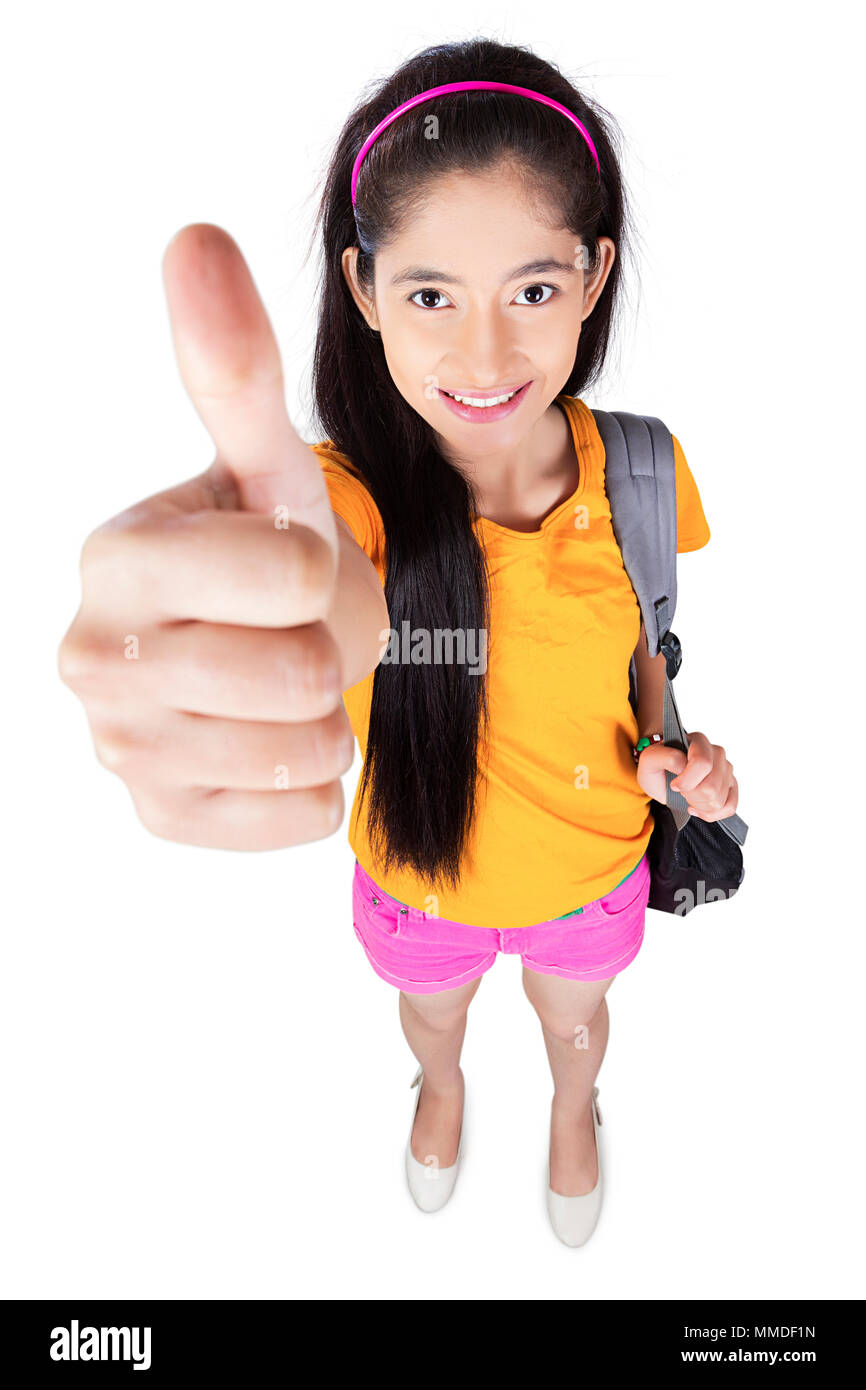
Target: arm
x: 707, y: 782
x: 650, y: 672
x: 358, y: 613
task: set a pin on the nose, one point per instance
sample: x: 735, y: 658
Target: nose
x: 485, y: 342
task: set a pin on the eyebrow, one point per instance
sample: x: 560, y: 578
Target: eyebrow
x: 422, y: 274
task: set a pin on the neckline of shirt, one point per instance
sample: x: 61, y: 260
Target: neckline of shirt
x: 586, y: 441
x: 574, y: 410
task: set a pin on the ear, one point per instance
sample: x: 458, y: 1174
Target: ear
x: 595, y: 280
x: 349, y: 263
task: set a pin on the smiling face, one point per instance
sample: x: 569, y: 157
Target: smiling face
x: 479, y: 295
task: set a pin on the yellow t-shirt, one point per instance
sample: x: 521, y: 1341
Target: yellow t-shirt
x: 562, y: 818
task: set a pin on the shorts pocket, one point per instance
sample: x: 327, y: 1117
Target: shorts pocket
x: 377, y: 909
x: 626, y: 895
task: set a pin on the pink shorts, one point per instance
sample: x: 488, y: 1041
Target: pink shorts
x: 423, y: 954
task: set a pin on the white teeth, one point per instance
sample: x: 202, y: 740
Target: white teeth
x: 481, y: 405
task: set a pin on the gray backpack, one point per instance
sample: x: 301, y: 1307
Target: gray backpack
x: 691, y: 861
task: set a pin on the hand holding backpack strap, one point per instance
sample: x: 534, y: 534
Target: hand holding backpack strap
x: 640, y: 482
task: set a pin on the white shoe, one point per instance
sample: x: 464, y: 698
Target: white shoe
x: 574, y: 1218
x: 430, y: 1185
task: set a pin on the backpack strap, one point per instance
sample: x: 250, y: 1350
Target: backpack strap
x: 640, y: 482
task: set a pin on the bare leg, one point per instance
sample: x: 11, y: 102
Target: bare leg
x: 435, y: 1025
x: 575, y: 1023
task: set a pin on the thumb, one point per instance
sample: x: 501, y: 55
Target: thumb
x: 230, y: 364
x: 669, y: 759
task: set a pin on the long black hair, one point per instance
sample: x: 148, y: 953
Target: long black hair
x: 429, y: 723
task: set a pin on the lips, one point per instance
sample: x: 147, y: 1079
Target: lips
x: 486, y: 414
x: 485, y: 394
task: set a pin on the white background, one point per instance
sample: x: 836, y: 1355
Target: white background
x: 205, y: 1088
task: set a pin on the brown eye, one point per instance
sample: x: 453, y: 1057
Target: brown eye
x: 432, y: 293
x: 533, y: 289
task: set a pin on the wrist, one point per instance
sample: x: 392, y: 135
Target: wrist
x: 646, y: 741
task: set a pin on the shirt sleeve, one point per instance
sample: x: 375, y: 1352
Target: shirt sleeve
x: 351, y: 500
x: 692, y: 529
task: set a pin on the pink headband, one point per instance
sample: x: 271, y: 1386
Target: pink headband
x: 466, y: 87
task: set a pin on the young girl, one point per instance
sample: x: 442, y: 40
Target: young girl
x: 471, y: 583
x: 482, y: 255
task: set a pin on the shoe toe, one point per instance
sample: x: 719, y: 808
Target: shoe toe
x: 430, y: 1186
x: 574, y: 1218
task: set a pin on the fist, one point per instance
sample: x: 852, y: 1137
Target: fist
x: 704, y: 776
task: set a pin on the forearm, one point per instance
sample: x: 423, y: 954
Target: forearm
x: 650, y: 673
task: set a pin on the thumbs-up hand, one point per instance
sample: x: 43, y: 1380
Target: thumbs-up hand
x: 212, y: 647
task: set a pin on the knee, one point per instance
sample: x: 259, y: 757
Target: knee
x: 567, y: 1028
x: 438, y: 1011
x: 566, y: 1023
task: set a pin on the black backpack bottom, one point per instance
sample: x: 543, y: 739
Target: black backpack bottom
x: 696, y: 865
